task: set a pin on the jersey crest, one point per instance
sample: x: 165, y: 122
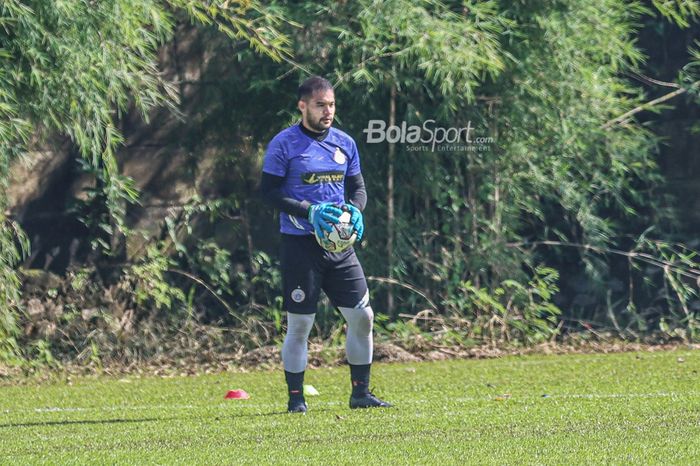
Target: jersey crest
x: 339, y: 157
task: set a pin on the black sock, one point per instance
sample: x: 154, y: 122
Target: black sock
x: 359, y: 375
x: 295, y: 383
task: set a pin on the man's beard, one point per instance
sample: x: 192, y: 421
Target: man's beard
x: 317, y: 125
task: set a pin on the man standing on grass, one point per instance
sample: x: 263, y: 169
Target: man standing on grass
x: 311, y: 170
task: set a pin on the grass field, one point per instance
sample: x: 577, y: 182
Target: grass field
x: 632, y: 408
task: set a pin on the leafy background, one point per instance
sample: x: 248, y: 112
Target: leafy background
x: 132, y: 137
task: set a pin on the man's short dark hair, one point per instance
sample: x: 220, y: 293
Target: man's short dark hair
x: 313, y: 84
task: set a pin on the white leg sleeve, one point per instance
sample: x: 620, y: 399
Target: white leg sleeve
x: 295, y: 347
x: 359, y: 344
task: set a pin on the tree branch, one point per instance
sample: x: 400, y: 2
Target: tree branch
x: 208, y: 288
x: 687, y: 272
x: 664, y: 98
x: 393, y: 281
x: 648, y: 80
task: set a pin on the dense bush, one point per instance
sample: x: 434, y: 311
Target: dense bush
x: 563, y: 178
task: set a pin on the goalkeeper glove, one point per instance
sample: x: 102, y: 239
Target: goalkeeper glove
x: 320, y: 215
x: 356, y: 219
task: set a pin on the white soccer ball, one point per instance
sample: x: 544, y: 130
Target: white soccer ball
x: 341, y: 237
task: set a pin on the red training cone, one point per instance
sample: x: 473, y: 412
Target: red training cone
x: 237, y: 395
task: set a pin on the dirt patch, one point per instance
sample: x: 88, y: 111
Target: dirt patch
x: 263, y: 358
x: 388, y: 352
x: 268, y: 358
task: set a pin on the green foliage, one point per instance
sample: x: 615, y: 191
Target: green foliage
x: 680, y: 12
x: 544, y: 83
x: 514, y: 311
x: 246, y: 20
x: 14, y: 132
x: 680, y: 289
x: 150, y: 287
x: 239, y: 289
x: 552, y: 169
x: 215, y: 264
x: 399, y: 41
x: 103, y: 209
x: 689, y: 76
x: 10, y: 255
x: 74, y: 67
x: 77, y: 65
x: 41, y: 354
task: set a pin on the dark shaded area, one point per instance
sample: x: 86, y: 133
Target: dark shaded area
x: 84, y: 422
x: 679, y: 154
x: 603, y: 302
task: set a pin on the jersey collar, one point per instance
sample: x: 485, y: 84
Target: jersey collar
x: 313, y: 134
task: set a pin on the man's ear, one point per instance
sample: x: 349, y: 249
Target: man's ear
x: 301, y: 105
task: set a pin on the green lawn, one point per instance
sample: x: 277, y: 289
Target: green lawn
x: 633, y: 408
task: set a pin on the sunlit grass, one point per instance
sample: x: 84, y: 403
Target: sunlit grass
x: 634, y: 408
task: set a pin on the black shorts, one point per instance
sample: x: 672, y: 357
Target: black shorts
x: 307, y: 269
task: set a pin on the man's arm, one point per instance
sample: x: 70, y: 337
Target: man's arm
x: 271, y: 192
x: 355, y: 191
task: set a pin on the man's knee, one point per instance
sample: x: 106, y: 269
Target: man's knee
x: 366, y: 319
x: 360, y: 319
x: 299, y: 325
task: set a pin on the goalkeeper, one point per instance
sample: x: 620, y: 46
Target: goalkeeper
x: 309, y: 170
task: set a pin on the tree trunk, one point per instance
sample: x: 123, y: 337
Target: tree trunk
x: 390, y: 204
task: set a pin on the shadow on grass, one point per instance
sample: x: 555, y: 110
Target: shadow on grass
x: 87, y: 422
x: 129, y: 421
x: 273, y: 413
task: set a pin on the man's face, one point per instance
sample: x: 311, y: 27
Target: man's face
x: 317, y: 111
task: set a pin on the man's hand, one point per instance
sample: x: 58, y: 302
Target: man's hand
x: 320, y: 215
x: 356, y: 220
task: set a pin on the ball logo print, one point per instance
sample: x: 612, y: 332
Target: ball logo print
x: 298, y: 295
x: 341, y: 237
